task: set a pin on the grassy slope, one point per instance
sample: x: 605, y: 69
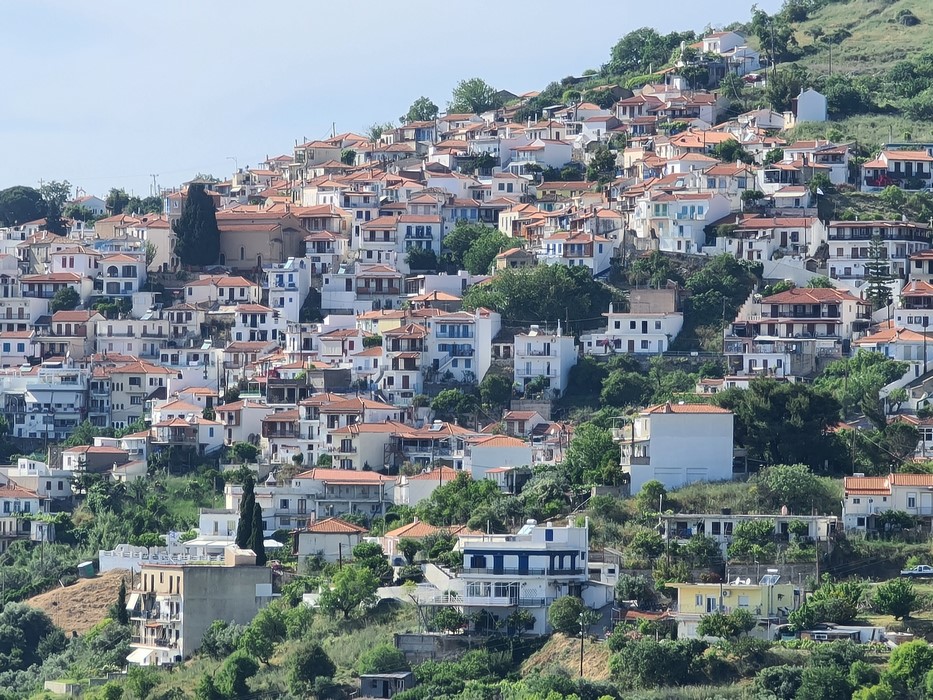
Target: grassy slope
x: 877, y: 40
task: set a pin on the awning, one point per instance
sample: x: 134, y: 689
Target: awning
x: 140, y: 656
x: 133, y: 601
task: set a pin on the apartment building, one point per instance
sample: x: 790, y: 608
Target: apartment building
x: 850, y: 247
x: 172, y: 605
x: 769, y: 600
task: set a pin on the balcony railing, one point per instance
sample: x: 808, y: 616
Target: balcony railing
x: 374, y: 291
x: 802, y: 314
x: 504, y: 572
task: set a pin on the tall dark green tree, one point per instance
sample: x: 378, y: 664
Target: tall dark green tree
x: 196, y: 228
x: 123, y: 615
x: 257, y: 539
x: 244, y: 529
x: 878, y: 274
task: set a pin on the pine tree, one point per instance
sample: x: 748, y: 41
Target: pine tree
x: 878, y: 274
x: 196, y: 228
x: 244, y: 528
x: 123, y: 615
x: 257, y: 540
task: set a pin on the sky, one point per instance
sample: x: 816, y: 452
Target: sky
x: 107, y: 93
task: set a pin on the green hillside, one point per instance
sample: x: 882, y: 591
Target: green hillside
x: 877, y: 35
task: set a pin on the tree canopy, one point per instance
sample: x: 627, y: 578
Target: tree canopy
x: 421, y: 110
x: 352, y: 589
x: 545, y: 294
x: 783, y: 423
x: 472, y: 96
x: 20, y: 204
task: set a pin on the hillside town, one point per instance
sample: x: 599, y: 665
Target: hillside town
x: 621, y: 367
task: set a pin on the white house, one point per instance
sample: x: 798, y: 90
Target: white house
x: 528, y: 570
x: 543, y: 354
x: 637, y: 333
x: 485, y: 452
x: 677, y: 444
x: 411, y: 490
x: 899, y: 168
x: 331, y: 539
x: 810, y: 106
x: 867, y: 497
x: 577, y: 249
x: 288, y: 284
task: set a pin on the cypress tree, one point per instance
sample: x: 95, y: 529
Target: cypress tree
x: 198, y: 236
x: 257, y: 541
x: 244, y: 528
x: 123, y: 615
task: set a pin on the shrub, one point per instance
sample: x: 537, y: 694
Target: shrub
x: 383, y: 658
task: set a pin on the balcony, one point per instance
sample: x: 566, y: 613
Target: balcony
x: 639, y: 461
x: 377, y: 291
x: 280, y: 433
x: 803, y: 313
x: 504, y: 572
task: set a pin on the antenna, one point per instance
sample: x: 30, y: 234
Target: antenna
x: 155, y: 184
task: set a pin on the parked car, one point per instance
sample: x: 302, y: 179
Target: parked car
x: 919, y: 571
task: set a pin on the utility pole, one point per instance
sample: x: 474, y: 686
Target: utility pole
x: 582, y: 614
x: 925, y: 323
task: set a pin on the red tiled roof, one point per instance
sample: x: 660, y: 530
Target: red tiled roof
x: 333, y: 526
x: 867, y: 486
x: 685, y: 408
x: 344, y: 476
x: 805, y: 295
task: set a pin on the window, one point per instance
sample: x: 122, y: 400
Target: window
x: 856, y: 501
x: 632, y: 325
x: 911, y: 500
x: 657, y: 325
x: 644, y: 345
x: 743, y: 601
x: 283, y: 503
x: 698, y: 600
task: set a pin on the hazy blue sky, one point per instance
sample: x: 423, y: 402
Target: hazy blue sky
x: 105, y: 93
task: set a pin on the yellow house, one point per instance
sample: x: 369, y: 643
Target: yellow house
x: 768, y: 600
